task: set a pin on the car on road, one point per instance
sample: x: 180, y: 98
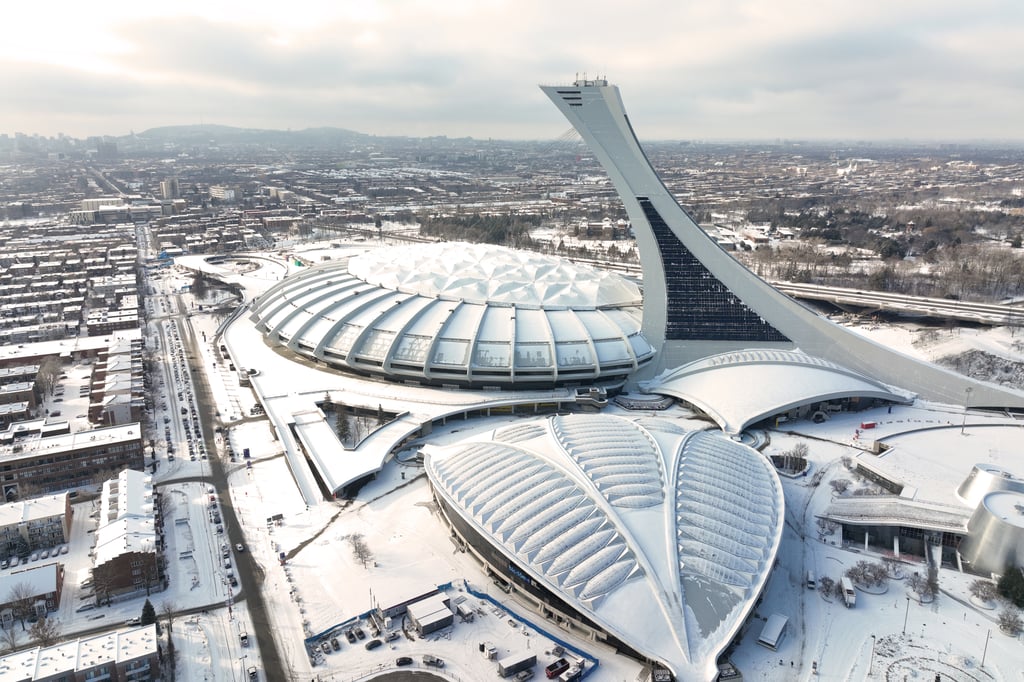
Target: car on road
x: 373, y: 644
x: 253, y: 673
x: 240, y: 547
x: 403, y: 660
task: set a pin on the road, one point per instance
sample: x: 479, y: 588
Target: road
x: 250, y: 574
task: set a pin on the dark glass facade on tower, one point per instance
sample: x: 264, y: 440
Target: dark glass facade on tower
x: 700, y: 307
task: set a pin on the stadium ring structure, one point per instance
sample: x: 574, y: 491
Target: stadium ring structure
x: 652, y: 538
x: 465, y: 315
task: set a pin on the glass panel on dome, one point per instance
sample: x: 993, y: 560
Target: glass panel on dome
x: 451, y: 352
x: 574, y: 355
x: 612, y: 351
x: 533, y: 355
x: 492, y: 355
x: 344, y: 340
x: 412, y: 348
x: 377, y: 343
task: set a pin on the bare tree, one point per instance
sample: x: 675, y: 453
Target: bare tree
x: 103, y: 582
x: 360, y: 550
x: 1009, y: 621
x: 868, y: 574
x: 826, y: 585
x: 926, y: 588
x: 22, y: 598
x: 893, y: 567
x: 48, y: 374
x: 153, y: 571
x: 840, y: 485
x: 8, y: 640
x: 984, y: 590
x: 45, y: 631
x: 168, y: 611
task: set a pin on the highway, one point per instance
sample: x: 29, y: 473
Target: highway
x: 864, y: 301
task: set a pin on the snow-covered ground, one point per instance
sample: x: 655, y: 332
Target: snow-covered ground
x: 322, y: 584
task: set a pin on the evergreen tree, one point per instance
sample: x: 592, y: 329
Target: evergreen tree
x: 148, y: 614
x: 1011, y: 585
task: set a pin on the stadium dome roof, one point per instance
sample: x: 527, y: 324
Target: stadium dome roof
x: 740, y: 388
x: 471, y: 315
x: 663, y: 537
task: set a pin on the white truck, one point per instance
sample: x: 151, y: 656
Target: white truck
x: 849, y: 594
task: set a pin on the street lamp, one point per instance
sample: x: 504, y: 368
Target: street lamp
x: 905, y: 614
x: 871, y: 661
x: 967, y: 402
x: 985, y: 652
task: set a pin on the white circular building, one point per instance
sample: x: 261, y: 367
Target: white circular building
x: 467, y: 315
x: 651, y: 538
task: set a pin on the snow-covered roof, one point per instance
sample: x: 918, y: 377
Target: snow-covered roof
x: 39, y: 580
x: 485, y: 273
x: 460, y: 314
x: 662, y: 536
x: 126, y: 519
x: 83, y: 654
x: 33, y: 509
x: 124, y: 536
x: 740, y: 388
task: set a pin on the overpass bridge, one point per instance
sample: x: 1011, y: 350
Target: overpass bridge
x: 863, y: 301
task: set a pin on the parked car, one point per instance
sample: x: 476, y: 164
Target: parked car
x: 359, y: 633
x: 350, y: 636
x: 403, y: 660
x: 373, y: 644
x: 334, y: 643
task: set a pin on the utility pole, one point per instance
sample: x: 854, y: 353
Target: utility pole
x: 967, y: 402
x: 985, y: 652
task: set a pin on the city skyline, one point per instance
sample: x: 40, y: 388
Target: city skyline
x: 735, y: 70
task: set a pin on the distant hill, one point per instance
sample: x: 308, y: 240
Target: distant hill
x: 188, y: 135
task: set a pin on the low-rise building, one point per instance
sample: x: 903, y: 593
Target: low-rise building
x: 39, y: 463
x: 34, y: 524
x: 122, y: 656
x: 31, y: 593
x: 127, y: 555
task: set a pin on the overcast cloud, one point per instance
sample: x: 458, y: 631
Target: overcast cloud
x: 714, y: 69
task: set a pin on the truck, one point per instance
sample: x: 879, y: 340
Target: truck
x: 516, y: 662
x: 556, y: 668
x: 849, y: 594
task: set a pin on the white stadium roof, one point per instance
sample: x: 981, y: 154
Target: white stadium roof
x: 740, y: 388
x: 472, y: 315
x: 484, y: 273
x: 662, y: 536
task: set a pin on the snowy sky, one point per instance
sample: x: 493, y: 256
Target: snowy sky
x: 934, y: 69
